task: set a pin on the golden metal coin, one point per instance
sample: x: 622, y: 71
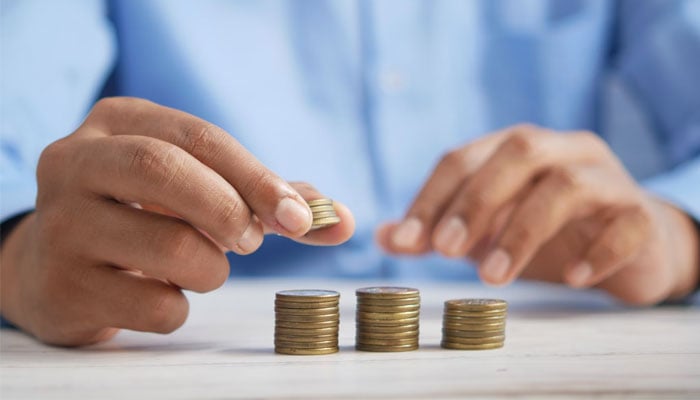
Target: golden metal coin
x: 325, y: 220
x: 307, y: 311
x: 472, y: 320
x: 306, y: 339
x: 475, y: 314
x: 306, y: 318
x: 395, y: 335
x: 307, y: 295
x: 460, y: 340
x: 387, y: 342
x: 388, y: 309
x: 389, y: 322
x: 369, y: 316
x: 306, y: 352
x: 305, y: 345
x: 387, y: 292
x: 368, y: 347
x: 460, y: 346
x: 306, y: 305
x: 473, y: 327
x: 323, y: 214
x: 472, y: 334
x: 307, y: 325
x: 307, y: 332
x: 476, y: 304
x: 319, y: 202
x: 379, y: 302
x: 387, y: 329
x: 324, y: 208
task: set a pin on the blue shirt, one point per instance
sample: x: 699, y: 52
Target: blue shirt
x: 361, y: 98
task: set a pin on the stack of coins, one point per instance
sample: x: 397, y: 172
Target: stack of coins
x: 323, y: 213
x: 387, y: 319
x: 306, y: 322
x: 474, y: 324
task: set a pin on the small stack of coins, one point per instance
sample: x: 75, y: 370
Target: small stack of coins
x: 474, y: 324
x: 306, y: 322
x: 387, y: 319
x: 323, y: 213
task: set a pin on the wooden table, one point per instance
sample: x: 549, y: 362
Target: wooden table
x: 559, y: 344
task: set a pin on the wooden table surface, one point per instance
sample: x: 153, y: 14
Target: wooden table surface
x: 560, y: 343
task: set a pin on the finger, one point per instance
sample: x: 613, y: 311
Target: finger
x: 159, y: 246
x: 563, y: 194
x: 517, y: 162
x: 412, y: 234
x: 619, y: 243
x: 272, y: 199
x: 124, y: 299
x: 147, y: 170
x: 329, y: 236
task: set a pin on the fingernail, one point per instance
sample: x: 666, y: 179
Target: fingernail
x: 451, y: 236
x: 407, y: 233
x: 495, y: 266
x: 292, y: 215
x: 580, y: 274
x: 247, y: 243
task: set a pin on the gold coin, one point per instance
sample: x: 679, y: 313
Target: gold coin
x: 386, y: 342
x: 476, y: 304
x: 324, y: 208
x: 395, y: 335
x: 388, y: 309
x: 473, y: 320
x: 389, y: 322
x: 325, y: 220
x: 306, y: 345
x: 473, y: 327
x: 307, y: 311
x: 323, y: 214
x: 379, y: 302
x: 479, y: 314
x: 472, y: 334
x: 307, y: 332
x: 306, y: 352
x: 306, y: 318
x: 299, y: 305
x: 319, y: 202
x: 461, y: 340
x: 307, y: 325
x: 370, y: 316
x: 387, y: 329
x: 305, y: 339
x: 369, y: 347
x: 307, y: 295
x: 387, y: 292
x: 460, y: 346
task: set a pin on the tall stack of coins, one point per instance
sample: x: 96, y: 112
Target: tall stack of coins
x: 387, y: 319
x: 323, y: 213
x: 306, y: 322
x: 474, y: 324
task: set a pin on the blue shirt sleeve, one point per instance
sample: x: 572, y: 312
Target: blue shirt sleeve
x: 55, y: 58
x: 659, y: 60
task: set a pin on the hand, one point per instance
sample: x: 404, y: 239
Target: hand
x: 559, y: 207
x: 140, y: 202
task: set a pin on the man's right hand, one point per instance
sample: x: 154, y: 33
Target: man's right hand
x: 138, y: 203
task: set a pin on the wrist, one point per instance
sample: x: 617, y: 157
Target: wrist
x: 684, y: 254
x: 12, y: 254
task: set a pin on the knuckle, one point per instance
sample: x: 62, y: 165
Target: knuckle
x: 183, y: 243
x: 565, y: 178
x: 452, y: 161
x: 522, y: 143
x: 168, y: 312
x: 232, y: 214
x: 519, y: 238
x: 199, y: 138
x: 52, y: 159
x: 152, y: 163
x: 609, y: 252
x: 257, y: 181
x: 213, y: 275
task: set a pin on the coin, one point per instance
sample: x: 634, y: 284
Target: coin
x: 306, y: 318
x: 385, y: 302
x: 386, y: 342
x: 472, y: 334
x: 307, y: 325
x: 387, y: 309
x: 319, y: 202
x: 305, y: 305
x: 462, y: 340
x: 460, y: 346
x: 387, y: 292
x: 325, y: 221
x: 394, y: 335
x: 306, y: 338
x: 307, y: 295
x: 473, y: 327
x: 368, y: 347
x: 307, y: 311
x: 476, y: 304
x: 323, y: 214
x: 387, y: 316
x: 306, y: 352
x: 473, y: 320
x: 306, y: 345
x: 307, y: 332
x: 387, y: 329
